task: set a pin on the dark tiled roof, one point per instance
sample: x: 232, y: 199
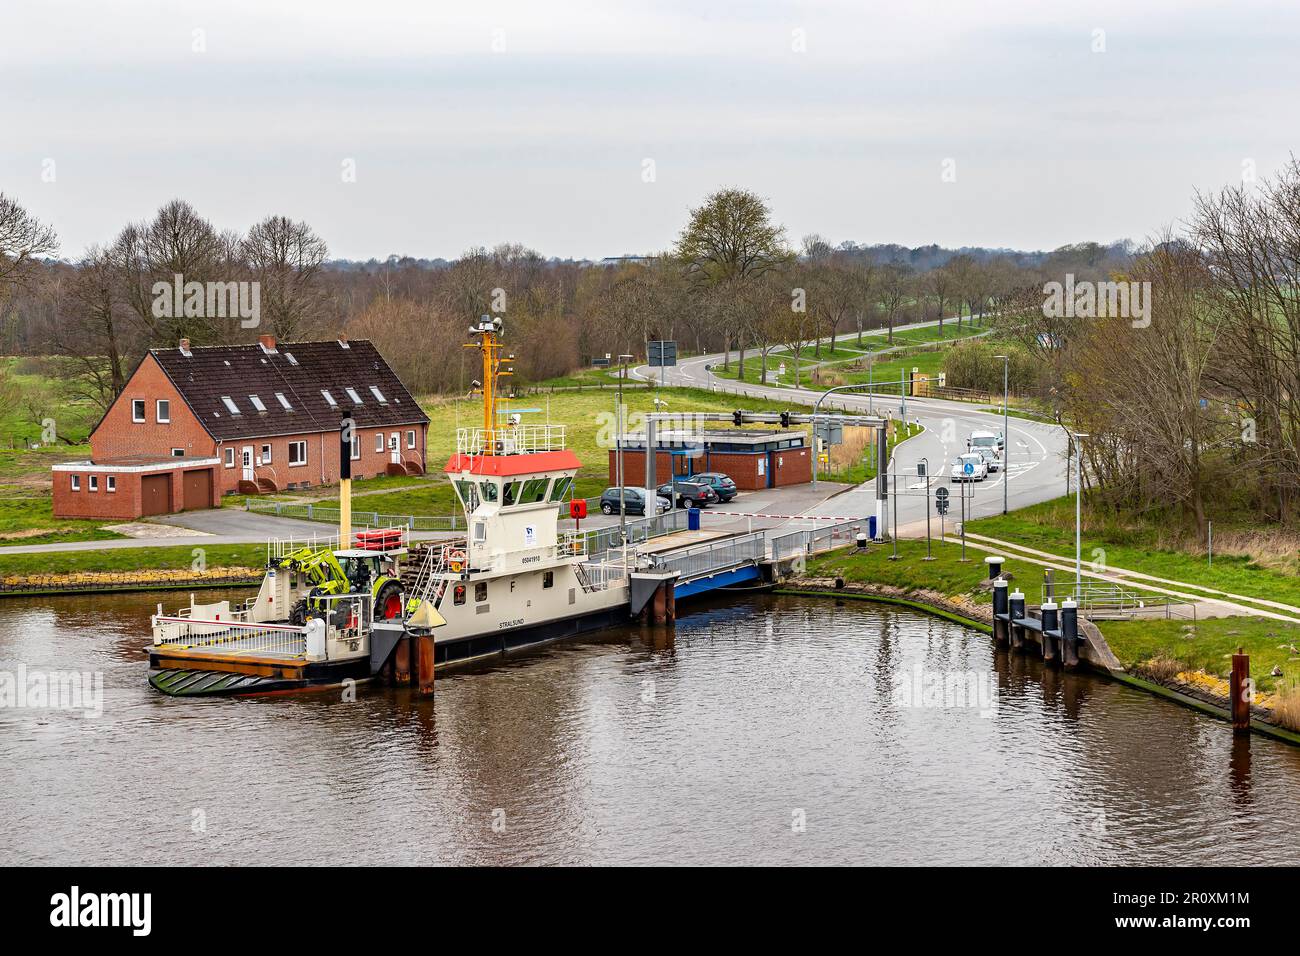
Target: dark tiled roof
x: 240, y: 371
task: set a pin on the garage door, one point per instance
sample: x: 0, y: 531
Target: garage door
x: 156, y: 495
x: 198, y: 489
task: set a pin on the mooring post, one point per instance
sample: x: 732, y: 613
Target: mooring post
x: 402, y: 660
x: 424, y: 664
x: 994, y: 561
x: 670, y: 600
x: 1048, y: 614
x: 999, y: 607
x: 1242, y: 692
x: 1070, y: 633
x: 1016, y: 607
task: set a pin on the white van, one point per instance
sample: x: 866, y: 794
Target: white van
x: 993, y: 440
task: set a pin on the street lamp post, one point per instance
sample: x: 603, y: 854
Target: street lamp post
x: 618, y: 453
x: 928, y: 556
x: 1078, y: 512
x: 1006, y: 433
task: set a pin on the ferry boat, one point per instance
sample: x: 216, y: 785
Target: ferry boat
x: 324, y: 616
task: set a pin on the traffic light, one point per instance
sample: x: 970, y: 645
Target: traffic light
x: 736, y: 418
x: 785, y: 419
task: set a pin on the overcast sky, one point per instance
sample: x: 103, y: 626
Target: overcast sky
x: 480, y: 122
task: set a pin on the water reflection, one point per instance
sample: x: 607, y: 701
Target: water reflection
x: 700, y: 743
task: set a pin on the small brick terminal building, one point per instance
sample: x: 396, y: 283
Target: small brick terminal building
x: 192, y: 425
x: 754, y: 459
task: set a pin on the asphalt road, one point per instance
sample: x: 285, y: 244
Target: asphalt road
x: 1036, y: 468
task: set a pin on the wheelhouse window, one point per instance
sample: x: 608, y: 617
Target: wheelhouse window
x: 137, y: 409
x: 489, y: 490
x: 163, y: 411
x: 297, y: 453
x: 230, y: 405
x: 510, y: 493
x: 534, y: 491
x: 560, y: 488
x: 467, y: 492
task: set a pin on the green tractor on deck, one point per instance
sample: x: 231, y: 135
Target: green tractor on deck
x: 331, y: 573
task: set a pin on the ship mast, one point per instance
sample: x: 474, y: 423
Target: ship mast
x: 489, y: 334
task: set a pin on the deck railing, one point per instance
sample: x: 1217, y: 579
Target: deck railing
x: 519, y: 439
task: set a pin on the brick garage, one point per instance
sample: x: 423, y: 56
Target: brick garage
x: 130, y: 488
x: 268, y: 414
x: 754, y: 459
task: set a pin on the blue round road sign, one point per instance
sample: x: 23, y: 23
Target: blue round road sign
x: 969, y: 468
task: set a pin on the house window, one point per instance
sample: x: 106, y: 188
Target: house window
x: 257, y: 403
x: 266, y: 454
x: 410, y: 438
x: 356, y: 446
x: 374, y: 390
x: 284, y: 402
x: 548, y: 579
x: 352, y: 394
x: 230, y: 457
x: 329, y: 399
x: 110, y: 484
x: 76, y: 482
x: 297, y: 453
x: 178, y: 452
x: 480, y: 591
x: 163, y: 411
x: 379, y: 443
x: 230, y: 405
x: 137, y: 409
x: 94, y: 482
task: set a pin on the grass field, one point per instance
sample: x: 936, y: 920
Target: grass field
x: 1140, y: 645
x: 589, y: 417
x: 131, y: 559
x: 1246, y: 562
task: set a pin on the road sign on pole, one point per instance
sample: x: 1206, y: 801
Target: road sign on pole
x: 941, y: 500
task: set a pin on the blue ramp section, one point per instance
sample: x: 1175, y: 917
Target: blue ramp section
x: 722, y: 579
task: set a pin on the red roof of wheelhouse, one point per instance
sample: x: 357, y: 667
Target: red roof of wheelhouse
x: 505, y: 466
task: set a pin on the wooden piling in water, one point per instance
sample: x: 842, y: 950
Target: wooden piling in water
x: 424, y: 664
x: 1241, y: 692
x: 402, y: 660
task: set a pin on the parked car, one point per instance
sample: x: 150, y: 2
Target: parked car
x: 979, y: 467
x: 722, y: 484
x: 690, y: 493
x: 634, y: 502
x: 990, y: 456
x: 978, y: 440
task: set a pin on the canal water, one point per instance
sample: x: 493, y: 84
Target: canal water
x: 773, y: 730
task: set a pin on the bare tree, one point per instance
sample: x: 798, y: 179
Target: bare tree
x: 23, y: 239
x: 285, y: 258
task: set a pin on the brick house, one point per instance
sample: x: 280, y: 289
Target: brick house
x: 192, y: 425
x: 753, y: 459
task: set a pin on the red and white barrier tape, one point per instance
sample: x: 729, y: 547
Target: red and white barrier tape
x: 746, y: 514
